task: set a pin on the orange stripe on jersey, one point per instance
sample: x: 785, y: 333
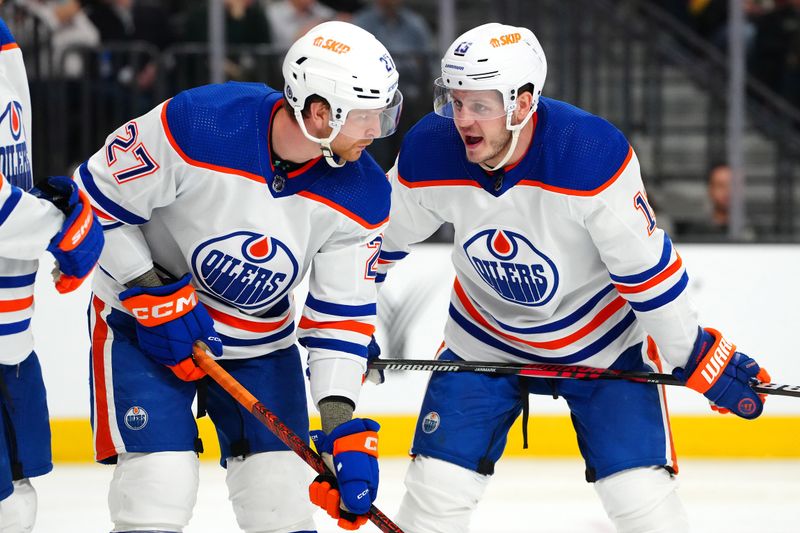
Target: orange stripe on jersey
x: 244, y: 324
x: 573, y: 192
x: 652, y: 354
x: 652, y: 282
x: 342, y: 210
x: 346, y: 325
x: 8, y: 46
x: 9, y: 306
x: 102, y: 214
x: 604, y: 314
x: 103, y: 444
x: 302, y: 169
x: 195, y: 163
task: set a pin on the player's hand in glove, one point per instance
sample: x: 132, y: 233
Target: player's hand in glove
x: 78, y: 244
x: 353, y: 448
x: 169, y: 320
x: 373, y: 352
x: 723, y: 375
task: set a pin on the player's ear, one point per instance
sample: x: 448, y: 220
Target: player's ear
x: 319, y: 115
x: 524, y: 102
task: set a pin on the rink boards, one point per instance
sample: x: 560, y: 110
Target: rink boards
x: 749, y: 292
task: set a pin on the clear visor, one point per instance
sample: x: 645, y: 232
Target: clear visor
x: 463, y: 105
x: 373, y: 123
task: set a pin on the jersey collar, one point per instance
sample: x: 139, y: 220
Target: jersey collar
x: 283, y: 183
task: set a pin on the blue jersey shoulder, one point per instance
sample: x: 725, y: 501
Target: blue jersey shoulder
x: 580, y: 151
x: 224, y: 125
x: 360, y: 188
x: 5, y: 34
x: 432, y: 151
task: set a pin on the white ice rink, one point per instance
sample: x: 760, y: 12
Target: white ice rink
x: 524, y: 496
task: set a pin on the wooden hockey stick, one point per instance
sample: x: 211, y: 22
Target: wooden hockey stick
x: 547, y: 370
x: 281, y: 430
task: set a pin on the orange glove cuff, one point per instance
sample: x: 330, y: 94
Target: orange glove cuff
x: 152, y: 310
x: 710, y: 368
x: 364, y: 442
x: 80, y: 227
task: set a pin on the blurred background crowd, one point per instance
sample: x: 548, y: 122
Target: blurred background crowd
x: 656, y: 68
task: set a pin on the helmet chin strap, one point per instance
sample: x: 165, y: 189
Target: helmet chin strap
x: 327, y: 151
x: 515, y: 131
x: 325, y: 144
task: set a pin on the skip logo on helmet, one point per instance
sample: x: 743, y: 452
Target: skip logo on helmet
x: 332, y: 45
x: 510, y: 38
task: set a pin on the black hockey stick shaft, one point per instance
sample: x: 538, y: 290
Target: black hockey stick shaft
x: 547, y: 370
x: 276, y: 426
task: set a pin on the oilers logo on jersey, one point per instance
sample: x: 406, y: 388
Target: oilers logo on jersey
x: 14, y: 162
x: 246, y: 269
x: 511, y: 265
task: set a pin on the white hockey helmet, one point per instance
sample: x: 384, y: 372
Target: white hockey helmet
x: 492, y: 57
x: 349, y: 68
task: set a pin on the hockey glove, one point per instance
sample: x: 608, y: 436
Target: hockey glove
x: 169, y: 320
x: 78, y: 244
x: 373, y: 352
x: 353, y: 447
x: 723, y: 375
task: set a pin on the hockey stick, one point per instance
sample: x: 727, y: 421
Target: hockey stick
x: 546, y: 370
x: 281, y: 430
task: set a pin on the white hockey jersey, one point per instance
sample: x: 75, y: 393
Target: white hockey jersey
x: 558, y: 258
x: 27, y: 223
x: 191, y: 187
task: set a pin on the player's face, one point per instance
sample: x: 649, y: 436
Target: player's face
x: 348, y: 148
x: 362, y: 126
x: 480, y: 119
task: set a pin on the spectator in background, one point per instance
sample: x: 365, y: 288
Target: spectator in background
x: 245, y: 24
x: 407, y: 37
x: 710, y: 19
x: 128, y: 21
x: 719, y: 194
x: 401, y: 30
x: 69, y: 27
x: 774, y: 34
x: 344, y: 8
x: 715, y: 225
x: 291, y: 19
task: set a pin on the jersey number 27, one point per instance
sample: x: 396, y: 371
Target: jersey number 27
x: 144, y: 164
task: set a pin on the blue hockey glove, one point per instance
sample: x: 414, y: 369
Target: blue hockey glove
x: 723, y: 375
x: 78, y: 244
x: 373, y: 352
x: 169, y: 320
x: 353, y: 447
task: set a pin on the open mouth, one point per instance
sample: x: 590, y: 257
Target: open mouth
x: 472, y: 141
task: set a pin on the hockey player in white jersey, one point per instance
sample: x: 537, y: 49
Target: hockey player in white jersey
x: 558, y: 260
x: 216, y: 203
x: 59, y: 220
